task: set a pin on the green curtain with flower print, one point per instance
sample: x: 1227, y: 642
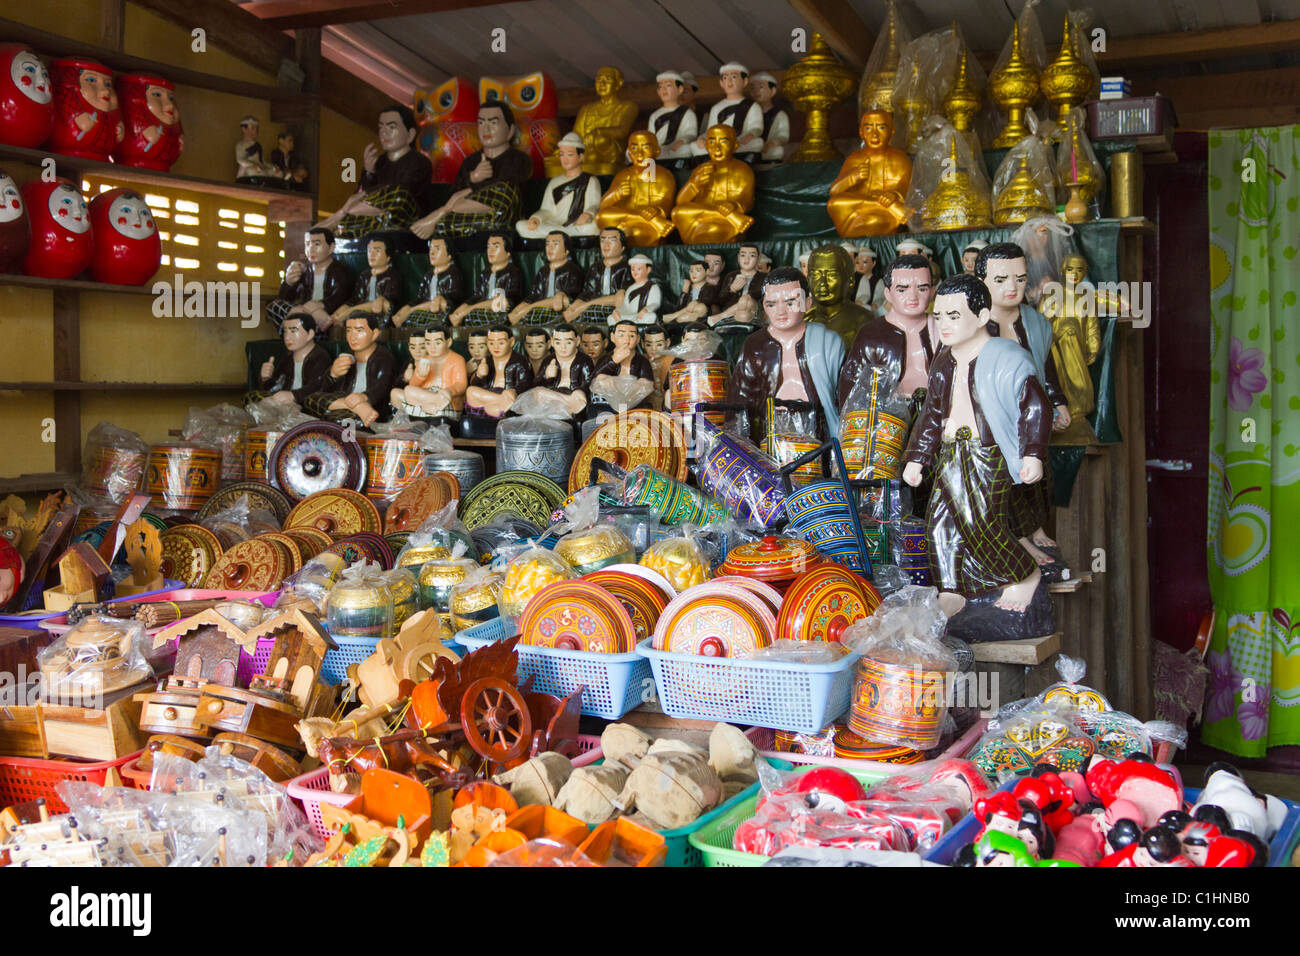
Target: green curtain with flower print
x: 1253, y: 701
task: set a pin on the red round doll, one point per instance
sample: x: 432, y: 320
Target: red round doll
x: 88, y: 122
x: 26, y: 97
x: 62, y: 243
x: 15, y: 229
x: 127, y: 248
x: 11, y: 572
x: 153, y: 123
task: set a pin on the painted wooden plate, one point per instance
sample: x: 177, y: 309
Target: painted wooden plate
x: 338, y: 512
x: 524, y: 494
x: 261, y: 496
x: 715, y: 620
x: 644, y: 600
x: 850, y: 746
x: 773, y: 559
x: 253, y: 565
x: 313, y: 457
x: 577, y: 616
x: 768, y: 593
x: 637, y: 437
x: 414, y: 503
x: 189, y: 552
x: 295, y: 553
x: 647, y: 574
x: 311, y: 541
x: 821, y: 603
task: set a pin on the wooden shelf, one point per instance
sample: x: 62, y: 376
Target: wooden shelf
x: 68, y: 165
x: 1030, y: 652
x: 23, y: 484
x: 123, y: 386
x: 51, y: 45
x: 1138, y: 224
x: 74, y: 285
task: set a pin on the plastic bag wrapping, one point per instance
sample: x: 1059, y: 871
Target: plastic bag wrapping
x: 738, y: 474
x: 622, y: 392
x: 1077, y: 162
x: 399, y: 426
x: 403, y: 584
x: 100, y: 655
x: 360, y: 604
x: 889, y: 578
x: 944, y: 156
x: 240, y: 522
x: 717, y: 538
x: 1081, y: 21
x: 790, y: 434
x: 312, y: 582
x: 696, y: 346
x: 825, y: 856
x: 146, y: 828
x: 953, y: 783
x: 501, y: 537
x: 874, y: 424
x: 1046, y: 241
x: 229, y: 781
x: 275, y: 416
x: 673, y: 501
x: 1069, y: 690
x: 801, y: 819
x: 245, y: 615
x: 543, y: 852
x: 528, y: 567
x: 924, y: 65
x: 639, y: 524
x: 908, y: 626
x: 476, y: 598
x: 222, y: 426
x: 680, y: 559
x: 437, y: 441
x: 1040, y: 163
x: 595, y: 547
x: 115, y: 460
x: 976, y: 79
x: 820, y: 744
x: 789, y: 651
x: 876, y: 90
x: 1033, y: 50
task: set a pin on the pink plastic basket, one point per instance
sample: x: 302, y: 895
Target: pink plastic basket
x: 765, y: 739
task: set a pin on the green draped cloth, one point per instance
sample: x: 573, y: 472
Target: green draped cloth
x: 1254, y: 657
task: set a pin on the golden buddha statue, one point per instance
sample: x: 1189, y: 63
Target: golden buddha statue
x: 867, y: 197
x: 712, y: 206
x: 829, y: 270
x: 640, y: 198
x: 1076, y: 343
x: 604, y: 125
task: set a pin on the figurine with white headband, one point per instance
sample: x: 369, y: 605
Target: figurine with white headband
x: 737, y: 110
x: 571, y: 199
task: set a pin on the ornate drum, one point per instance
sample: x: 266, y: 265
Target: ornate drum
x: 637, y: 437
x: 673, y: 501
x: 258, y: 443
x: 873, y: 443
x: 541, y: 445
x: 784, y: 448
x: 695, y: 383
x: 820, y: 513
x: 181, y: 477
x: 737, y: 473
x: 466, y: 466
x: 913, y: 550
x: 897, y: 704
x: 114, y: 471
x: 391, y: 465
x: 316, y: 456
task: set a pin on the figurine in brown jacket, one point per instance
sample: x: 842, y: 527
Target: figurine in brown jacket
x: 301, y: 371
x: 360, y: 381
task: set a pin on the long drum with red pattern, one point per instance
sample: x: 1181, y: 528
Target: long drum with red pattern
x: 258, y: 443
x: 181, y: 477
x: 897, y: 704
x: 694, y: 383
x: 392, y: 464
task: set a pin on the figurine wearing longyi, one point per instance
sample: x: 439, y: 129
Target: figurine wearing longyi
x: 570, y: 200
x: 1076, y: 342
x: 866, y: 198
x: 605, y: 124
x: 641, y: 196
x: 712, y: 206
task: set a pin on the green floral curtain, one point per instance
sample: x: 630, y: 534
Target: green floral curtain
x: 1254, y: 512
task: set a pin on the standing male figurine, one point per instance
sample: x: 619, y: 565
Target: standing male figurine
x: 318, y: 286
x: 394, y: 188
x: 984, y: 429
x: 900, y: 341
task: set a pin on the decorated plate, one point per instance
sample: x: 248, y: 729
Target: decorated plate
x: 822, y: 602
x: 338, y: 512
x: 715, y: 620
x: 450, y: 483
x: 768, y: 593
x: 189, y: 552
x: 314, y: 457
x: 850, y: 746
x: 311, y: 541
x: 421, y: 498
x: 637, y: 437
x: 644, y: 600
x: 257, y: 564
x: 648, y: 574
x: 364, y: 546
x: 773, y: 559
x: 577, y: 616
x: 261, y: 496
x: 524, y: 494
x: 295, y: 552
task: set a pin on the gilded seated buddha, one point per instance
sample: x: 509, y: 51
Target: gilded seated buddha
x: 867, y: 197
x: 712, y: 206
x: 640, y: 198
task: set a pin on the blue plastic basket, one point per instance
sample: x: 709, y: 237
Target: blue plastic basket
x: 803, y: 698
x: 350, y: 650
x: 612, y: 684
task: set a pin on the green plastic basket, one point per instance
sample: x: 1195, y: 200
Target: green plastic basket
x: 713, y: 836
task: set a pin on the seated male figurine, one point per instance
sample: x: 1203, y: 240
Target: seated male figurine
x: 476, y: 345
x: 361, y: 381
x: 868, y: 197
x: 441, y: 290
x: 302, y: 370
x: 698, y: 298
x: 571, y: 198
x: 499, y: 288
x: 640, y: 302
x: 595, y: 343
x: 378, y: 288
x: 537, y: 349
x: 714, y: 204
x: 436, y: 379
x: 738, y: 291
x: 674, y: 124
x: 317, y: 286
x: 555, y: 286
x: 501, y: 378
x: 395, y: 185
x: 625, y: 360
x: 608, y: 276
x: 568, y: 371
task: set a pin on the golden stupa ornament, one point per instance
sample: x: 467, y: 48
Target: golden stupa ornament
x: 912, y: 108
x: 1066, y: 81
x: 1021, y: 198
x: 877, y: 90
x: 963, y: 101
x: 816, y: 85
x: 957, y: 202
x: 1014, y: 88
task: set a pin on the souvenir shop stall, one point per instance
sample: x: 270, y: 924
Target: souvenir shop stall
x: 677, y: 470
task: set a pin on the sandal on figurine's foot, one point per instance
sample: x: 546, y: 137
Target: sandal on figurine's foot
x: 1054, y: 571
x: 981, y: 620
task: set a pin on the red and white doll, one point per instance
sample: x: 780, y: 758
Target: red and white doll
x: 26, y: 97
x: 127, y: 248
x: 15, y: 229
x: 62, y: 243
x: 87, y: 122
x: 153, y: 123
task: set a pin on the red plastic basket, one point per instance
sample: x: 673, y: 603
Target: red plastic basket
x: 23, y: 778
x: 134, y: 777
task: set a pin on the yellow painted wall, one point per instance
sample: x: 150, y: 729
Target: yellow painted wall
x: 340, y: 138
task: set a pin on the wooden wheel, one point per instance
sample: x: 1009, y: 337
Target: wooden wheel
x: 494, y: 718
x: 417, y: 664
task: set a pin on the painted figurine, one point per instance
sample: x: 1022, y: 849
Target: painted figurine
x: 639, y: 302
x: 624, y: 361
x: 698, y: 298
x: 557, y: 283
x: 776, y: 121
x: 319, y: 284
x: 605, y: 124
x: 830, y: 270
x: 790, y: 358
x: 441, y: 290
x: 640, y: 198
x: 378, y: 288
x: 535, y: 102
x: 394, y: 188
x: 606, y: 278
x: 154, y: 138
x: 501, y: 378
x: 537, y: 349
x: 736, y: 111
x: 15, y: 227
x: 302, y: 370
x: 26, y: 97
x: 1076, y: 343
x: 900, y: 343
x: 571, y: 199
x: 984, y: 427
x: 738, y: 295
x: 500, y: 287
x: 360, y: 381
x: 713, y: 205
x: 865, y: 280
x: 971, y: 254
x: 867, y: 197
x: 88, y: 122
x: 288, y: 161
x: 486, y: 193
x: 127, y: 248
x: 1003, y: 269
x: 250, y: 167
x: 594, y: 343
x: 436, y: 379
x: 674, y: 124
x: 62, y: 243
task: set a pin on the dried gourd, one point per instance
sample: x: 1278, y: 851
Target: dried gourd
x: 731, y: 754
x: 672, y: 789
x: 591, y: 793
x: 539, y: 780
x: 672, y: 745
x: 624, y: 743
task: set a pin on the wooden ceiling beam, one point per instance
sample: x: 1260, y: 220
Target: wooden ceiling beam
x: 841, y: 27
x: 1254, y: 98
x: 1189, y: 46
x: 292, y: 14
